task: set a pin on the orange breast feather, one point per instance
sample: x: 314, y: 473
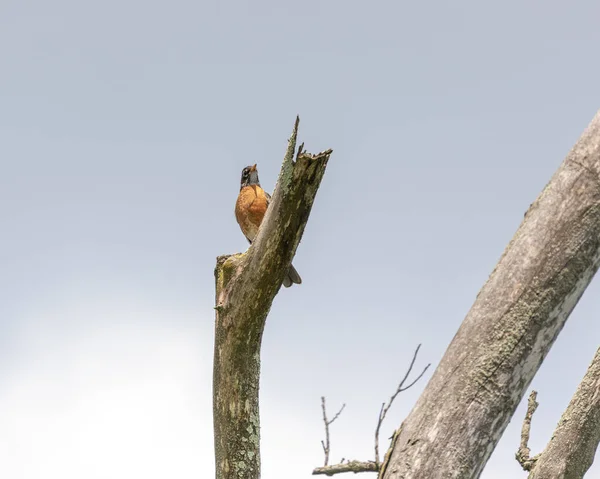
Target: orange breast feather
x: 250, y: 209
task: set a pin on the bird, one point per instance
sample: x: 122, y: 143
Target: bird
x: 250, y: 208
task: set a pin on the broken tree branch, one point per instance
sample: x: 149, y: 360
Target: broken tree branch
x: 573, y: 445
x: 327, y: 422
x: 524, y: 453
x: 246, y: 285
x: 466, y: 406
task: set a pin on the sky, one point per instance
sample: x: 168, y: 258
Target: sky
x: 124, y: 127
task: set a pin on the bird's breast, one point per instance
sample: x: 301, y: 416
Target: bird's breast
x: 250, y: 209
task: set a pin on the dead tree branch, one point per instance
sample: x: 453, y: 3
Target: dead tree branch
x: 328, y: 422
x: 365, y: 466
x: 386, y: 407
x: 524, y: 453
x: 573, y: 445
x: 350, y: 466
x: 510, y: 328
x: 246, y: 285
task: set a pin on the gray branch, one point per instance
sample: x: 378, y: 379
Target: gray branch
x: 246, y: 285
x: 366, y: 466
x: 524, y: 453
x: 327, y: 444
x: 571, y: 451
x: 401, y: 387
x: 350, y: 466
x: 517, y: 315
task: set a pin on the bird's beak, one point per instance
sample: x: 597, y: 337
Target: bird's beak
x: 253, y: 168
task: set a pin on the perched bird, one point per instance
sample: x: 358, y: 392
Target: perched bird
x: 250, y: 209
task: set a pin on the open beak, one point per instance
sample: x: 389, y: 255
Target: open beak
x: 253, y: 168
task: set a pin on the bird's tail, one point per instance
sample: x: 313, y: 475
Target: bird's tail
x: 292, y: 277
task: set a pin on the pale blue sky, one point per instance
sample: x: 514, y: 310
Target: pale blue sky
x: 123, y: 130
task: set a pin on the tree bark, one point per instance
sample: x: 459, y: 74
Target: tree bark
x: 517, y: 315
x: 246, y: 285
x: 571, y: 451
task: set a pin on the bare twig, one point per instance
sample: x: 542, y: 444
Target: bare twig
x: 350, y: 466
x: 386, y: 407
x: 523, y: 453
x: 365, y: 466
x: 328, y: 422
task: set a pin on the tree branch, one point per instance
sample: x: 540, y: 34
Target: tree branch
x: 523, y: 454
x: 517, y: 315
x: 386, y: 407
x: 350, y: 466
x: 326, y: 444
x: 246, y: 285
x: 366, y: 466
x: 573, y: 445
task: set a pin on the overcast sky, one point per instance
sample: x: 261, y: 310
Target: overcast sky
x: 124, y: 126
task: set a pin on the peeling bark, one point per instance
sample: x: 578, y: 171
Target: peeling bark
x: 517, y: 315
x: 571, y: 451
x: 246, y: 285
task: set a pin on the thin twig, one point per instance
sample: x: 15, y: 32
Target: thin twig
x: 365, y: 466
x: 523, y: 453
x: 326, y: 444
x: 385, y: 407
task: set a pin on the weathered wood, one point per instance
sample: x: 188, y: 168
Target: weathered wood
x: 517, y: 315
x: 246, y: 285
x: 571, y: 451
x: 350, y: 466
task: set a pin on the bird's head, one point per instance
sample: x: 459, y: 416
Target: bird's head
x: 249, y: 176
